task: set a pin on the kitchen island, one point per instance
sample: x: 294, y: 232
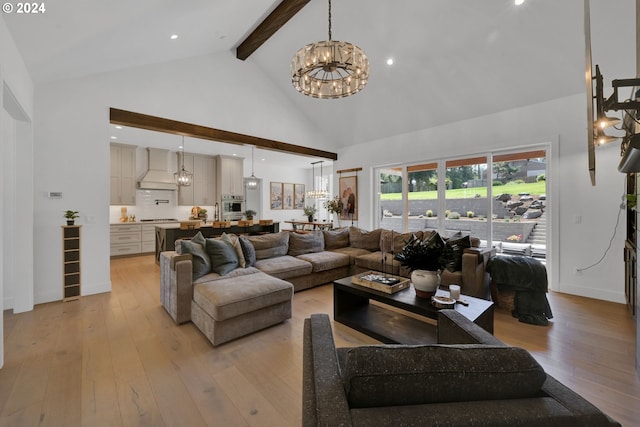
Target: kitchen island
x: 167, y: 234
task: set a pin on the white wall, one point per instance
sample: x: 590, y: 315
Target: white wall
x: 561, y: 123
x: 72, y: 143
x: 14, y: 77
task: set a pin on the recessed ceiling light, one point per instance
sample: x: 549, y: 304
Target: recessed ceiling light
x: 390, y: 61
x: 114, y: 137
x: 118, y: 127
x: 518, y: 2
x: 174, y: 36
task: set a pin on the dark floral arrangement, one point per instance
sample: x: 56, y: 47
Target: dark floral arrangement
x: 422, y: 254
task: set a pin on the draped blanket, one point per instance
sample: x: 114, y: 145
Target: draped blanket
x: 528, y: 278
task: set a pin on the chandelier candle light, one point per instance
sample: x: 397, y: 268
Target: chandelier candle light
x: 329, y: 69
x: 183, y: 178
x: 252, y: 181
x: 321, y: 193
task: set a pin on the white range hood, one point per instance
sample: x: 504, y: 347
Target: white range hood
x: 158, y: 176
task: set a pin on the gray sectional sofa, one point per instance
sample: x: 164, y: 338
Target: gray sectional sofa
x: 228, y: 293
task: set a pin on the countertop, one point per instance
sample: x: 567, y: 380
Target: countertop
x: 144, y: 222
x: 174, y: 225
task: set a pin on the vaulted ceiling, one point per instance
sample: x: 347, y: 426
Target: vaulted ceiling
x: 453, y: 59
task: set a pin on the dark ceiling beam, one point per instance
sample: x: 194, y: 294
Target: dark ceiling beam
x: 272, y: 23
x: 159, y: 124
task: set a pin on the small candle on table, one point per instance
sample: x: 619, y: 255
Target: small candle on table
x: 454, y: 292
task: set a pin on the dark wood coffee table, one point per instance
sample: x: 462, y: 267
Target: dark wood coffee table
x: 351, y: 307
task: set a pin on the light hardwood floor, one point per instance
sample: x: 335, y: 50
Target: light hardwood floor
x: 117, y: 359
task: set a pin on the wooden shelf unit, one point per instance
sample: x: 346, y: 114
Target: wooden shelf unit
x: 71, y: 262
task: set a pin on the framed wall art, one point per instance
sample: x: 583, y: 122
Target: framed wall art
x: 348, y: 187
x: 298, y: 196
x: 287, y: 196
x: 275, y: 195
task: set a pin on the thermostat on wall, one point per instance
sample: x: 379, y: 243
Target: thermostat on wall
x: 55, y: 194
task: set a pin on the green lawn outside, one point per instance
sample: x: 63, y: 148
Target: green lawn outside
x: 533, y: 188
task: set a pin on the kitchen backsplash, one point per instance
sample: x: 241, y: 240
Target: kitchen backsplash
x: 156, y: 204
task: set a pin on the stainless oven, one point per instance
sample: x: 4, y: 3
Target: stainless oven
x: 232, y: 207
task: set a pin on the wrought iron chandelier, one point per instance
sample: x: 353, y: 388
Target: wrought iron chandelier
x: 252, y: 182
x: 329, y: 69
x: 183, y: 177
x: 321, y: 193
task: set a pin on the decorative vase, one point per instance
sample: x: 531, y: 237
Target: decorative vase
x: 310, y: 218
x: 70, y: 222
x: 425, y: 282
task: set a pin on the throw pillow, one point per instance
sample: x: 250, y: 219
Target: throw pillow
x: 335, y: 239
x: 248, y: 251
x: 271, y: 245
x: 199, y: 258
x: 363, y: 239
x: 393, y: 241
x: 300, y: 244
x: 235, y: 242
x: 223, y: 256
x: 451, y: 258
x: 198, y: 238
x: 377, y: 376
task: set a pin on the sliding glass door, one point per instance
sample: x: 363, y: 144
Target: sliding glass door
x: 520, y: 188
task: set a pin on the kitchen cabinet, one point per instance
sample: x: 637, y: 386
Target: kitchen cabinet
x: 202, y: 191
x: 132, y: 238
x: 70, y: 262
x: 126, y: 239
x: 230, y: 175
x: 123, y: 174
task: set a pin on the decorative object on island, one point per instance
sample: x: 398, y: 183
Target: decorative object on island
x: 334, y: 206
x: 329, y: 69
x: 202, y: 214
x: 123, y: 214
x: 183, y: 178
x: 249, y: 213
x: 71, y: 216
x: 320, y: 193
x: 252, y: 182
x: 309, y: 211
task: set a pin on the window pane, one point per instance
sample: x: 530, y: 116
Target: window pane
x: 466, y: 202
x: 391, y: 201
x: 422, y: 192
x: 519, y: 189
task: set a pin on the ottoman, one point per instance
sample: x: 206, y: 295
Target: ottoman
x: 229, y: 308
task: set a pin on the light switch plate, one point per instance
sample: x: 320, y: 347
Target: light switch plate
x: 55, y: 194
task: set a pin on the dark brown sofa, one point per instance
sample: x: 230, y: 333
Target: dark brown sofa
x: 469, y: 379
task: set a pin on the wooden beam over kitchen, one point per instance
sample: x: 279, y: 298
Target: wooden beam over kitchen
x: 272, y: 23
x: 159, y: 124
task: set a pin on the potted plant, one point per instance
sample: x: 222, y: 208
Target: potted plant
x: 309, y: 211
x: 249, y: 213
x: 202, y: 214
x: 334, y: 206
x: 422, y: 258
x: 71, y: 216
